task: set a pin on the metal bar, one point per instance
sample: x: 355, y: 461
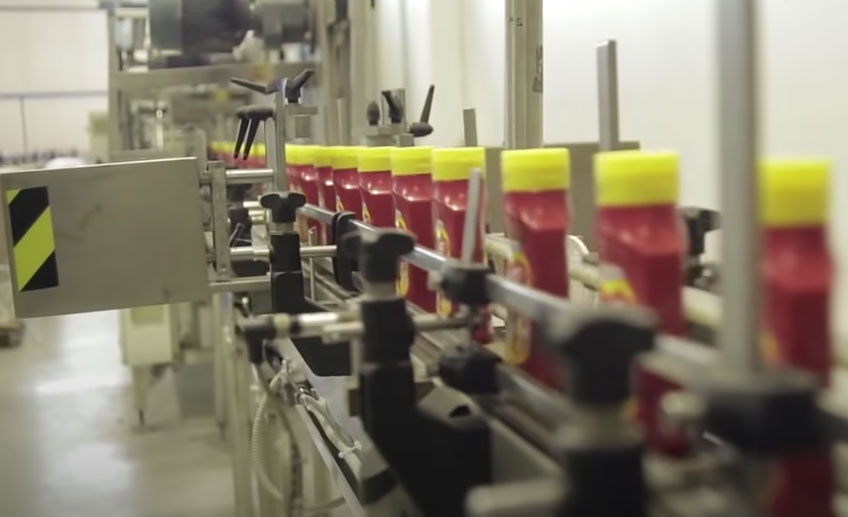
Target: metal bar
x: 524, y: 66
x: 38, y: 95
x: 245, y: 176
x: 608, y: 95
x: 738, y: 149
x: 472, y: 216
x: 239, y: 285
x: 220, y: 219
x: 248, y: 253
x: 469, y: 125
x: 279, y: 166
x: 211, y: 74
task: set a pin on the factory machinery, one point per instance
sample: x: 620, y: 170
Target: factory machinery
x: 424, y: 333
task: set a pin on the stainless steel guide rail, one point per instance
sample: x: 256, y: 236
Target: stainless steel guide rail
x: 683, y: 360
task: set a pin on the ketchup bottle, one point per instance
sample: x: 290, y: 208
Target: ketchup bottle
x: 797, y: 274
x: 326, y: 190
x: 641, y: 245
x: 451, y: 170
x: 375, y: 181
x: 535, y: 187
x: 413, y: 194
x: 309, y: 186
x: 346, y: 180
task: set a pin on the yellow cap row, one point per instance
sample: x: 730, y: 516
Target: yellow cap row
x: 793, y: 191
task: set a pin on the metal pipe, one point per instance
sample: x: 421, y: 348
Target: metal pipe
x: 469, y: 125
x: 738, y: 150
x: 247, y: 176
x: 608, y: 95
x: 523, y: 74
x: 279, y: 165
x: 248, y: 253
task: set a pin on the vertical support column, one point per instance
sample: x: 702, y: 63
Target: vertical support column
x: 270, y: 143
x: 238, y: 413
x: 329, y: 75
x: 738, y: 151
x: 524, y: 79
x: 279, y: 165
x: 220, y: 221
x: 608, y: 95
x: 469, y: 127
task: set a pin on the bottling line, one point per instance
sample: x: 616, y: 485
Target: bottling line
x: 475, y: 332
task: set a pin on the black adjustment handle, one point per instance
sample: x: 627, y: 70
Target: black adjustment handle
x: 294, y: 85
x: 378, y: 252
x: 242, y: 131
x: 699, y: 222
x: 395, y: 107
x: 599, y: 346
x: 283, y: 205
x: 422, y: 127
x: 249, y: 119
x: 268, y: 88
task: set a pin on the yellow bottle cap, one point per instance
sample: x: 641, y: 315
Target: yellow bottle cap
x: 456, y: 163
x: 259, y: 150
x: 292, y: 154
x: 323, y: 156
x: 374, y: 159
x: 532, y: 170
x: 306, y: 155
x: 411, y: 161
x: 635, y: 178
x: 794, y: 191
x: 344, y: 156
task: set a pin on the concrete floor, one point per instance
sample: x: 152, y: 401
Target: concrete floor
x: 70, y: 443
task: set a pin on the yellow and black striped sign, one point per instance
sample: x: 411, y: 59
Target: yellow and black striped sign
x: 32, y: 237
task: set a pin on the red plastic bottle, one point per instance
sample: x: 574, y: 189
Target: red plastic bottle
x: 413, y: 193
x: 797, y: 274
x: 308, y: 177
x: 346, y: 180
x: 641, y: 244
x: 535, y: 187
x: 451, y: 170
x: 375, y: 179
x: 326, y: 189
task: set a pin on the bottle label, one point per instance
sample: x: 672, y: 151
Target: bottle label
x: 402, y: 284
x: 366, y: 214
x: 518, y: 329
x: 614, y: 287
x: 443, y: 246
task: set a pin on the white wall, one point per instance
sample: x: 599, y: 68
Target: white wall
x: 54, y: 64
x: 667, y: 81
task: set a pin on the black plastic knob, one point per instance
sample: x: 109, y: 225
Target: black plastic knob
x: 372, y: 114
x: 599, y: 346
x: 422, y: 127
x: 378, y: 253
x: 283, y: 205
x: 395, y: 107
x: 699, y: 222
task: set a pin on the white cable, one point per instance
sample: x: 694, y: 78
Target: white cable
x: 256, y: 442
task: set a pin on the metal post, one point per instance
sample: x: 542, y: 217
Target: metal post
x: 608, y: 95
x: 271, y: 146
x: 279, y: 165
x: 523, y: 74
x: 329, y: 75
x: 469, y: 126
x: 738, y: 150
x: 220, y: 220
x: 238, y: 415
